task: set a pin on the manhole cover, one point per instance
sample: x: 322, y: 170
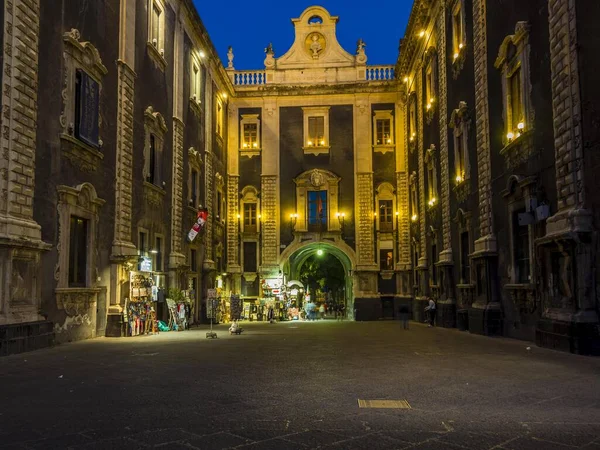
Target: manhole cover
x: 390, y: 404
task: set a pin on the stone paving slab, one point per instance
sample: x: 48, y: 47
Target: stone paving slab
x: 296, y: 386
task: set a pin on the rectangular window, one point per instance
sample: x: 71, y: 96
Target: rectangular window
x: 465, y: 265
x: 516, y: 108
x: 250, y: 135
x: 460, y: 155
x: 219, y: 211
x: 250, y: 264
x: 87, y: 106
x: 193, y: 260
x: 384, y: 136
x: 457, y: 27
x: 78, y: 252
x: 429, y: 84
x: 412, y: 122
x: 196, y: 82
x: 316, y: 131
x: 413, y: 203
x: 521, y: 249
x: 155, y: 24
x: 143, y: 243
x: 317, y: 210
x: 195, y: 183
x: 155, y: 162
x: 219, y: 118
x: 434, y: 260
x: 385, y: 215
x: 430, y: 182
x: 386, y: 259
x: 158, y: 255
x: 250, y: 217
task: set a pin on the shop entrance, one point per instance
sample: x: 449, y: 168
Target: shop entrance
x: 323, y: 272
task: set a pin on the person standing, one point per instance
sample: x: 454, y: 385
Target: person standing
x: 404, y: 313
x: 431, y: 310
x: 322, y: 311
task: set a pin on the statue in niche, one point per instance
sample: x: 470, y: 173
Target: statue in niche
x: 315, y: 46
x: 564, y: 278
x: 230, y: 57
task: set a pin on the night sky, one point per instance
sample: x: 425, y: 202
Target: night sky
x: 249, y: 26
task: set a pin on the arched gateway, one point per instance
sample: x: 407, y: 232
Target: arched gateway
x: 297, y: 253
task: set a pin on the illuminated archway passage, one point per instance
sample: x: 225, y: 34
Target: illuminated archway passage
x: 324, y: 270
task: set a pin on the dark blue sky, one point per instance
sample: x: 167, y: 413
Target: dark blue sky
x: 249, y: 26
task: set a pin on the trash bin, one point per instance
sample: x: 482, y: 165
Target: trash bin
x: 462, y: 319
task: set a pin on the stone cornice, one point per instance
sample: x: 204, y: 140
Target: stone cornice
x: 297, y: 90
x: 420, y: 16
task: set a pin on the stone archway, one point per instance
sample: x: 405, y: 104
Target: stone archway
x: 298, y: 253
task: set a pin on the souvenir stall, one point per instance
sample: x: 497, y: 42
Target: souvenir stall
x: 139, y: 313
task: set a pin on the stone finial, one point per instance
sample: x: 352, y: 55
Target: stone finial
x: 230, y: 57
x: 270, y: 59
x: 361, y: 57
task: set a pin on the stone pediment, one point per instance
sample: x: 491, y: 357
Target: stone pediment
x: 315, y: 45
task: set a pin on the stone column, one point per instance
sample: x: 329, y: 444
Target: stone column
x: 366, y: 298
x: 403, y: 264
x: 422, y: 266
x: 177, y: 259
x: 234, y: 264
x: 270, y: 190
x: 20, y: 235
x: 447, y: 301
x: 485, y: 315
x: 124, y: 252
x: 209, y: 183
x: 569, y: 320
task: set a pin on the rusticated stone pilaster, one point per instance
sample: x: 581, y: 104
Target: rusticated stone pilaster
x: 421, y: 163
x: 482, y: 118
x: 177, y: 196
x: 122, y: 244
x: 443, y: 102
x: 365, y: 244
x: 233, y: 204
x: 566, y: 104
x: 19, y: 117
x: 269, y: 202
x: 210, y: 193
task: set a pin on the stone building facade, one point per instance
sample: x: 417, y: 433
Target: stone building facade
x: 308, y: 166
x: 114, y: 133
x: 502, y: 228
x: 465, y: 172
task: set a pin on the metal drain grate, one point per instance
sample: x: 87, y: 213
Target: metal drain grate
x: 389, y: 404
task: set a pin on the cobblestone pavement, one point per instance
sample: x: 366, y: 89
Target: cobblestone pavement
x: 296, y: 386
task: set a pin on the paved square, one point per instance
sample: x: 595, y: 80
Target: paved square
x: 297, y: 385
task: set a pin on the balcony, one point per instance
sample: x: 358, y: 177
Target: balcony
x: 248, y: 80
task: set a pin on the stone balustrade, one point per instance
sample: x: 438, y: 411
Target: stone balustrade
x: 249, y: 77
x: 380, y: 73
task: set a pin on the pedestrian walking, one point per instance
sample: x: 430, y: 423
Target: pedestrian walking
x: 431, y: 310
x: 322, y: 311
x: 271, y: 314
x: 404, y: 315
